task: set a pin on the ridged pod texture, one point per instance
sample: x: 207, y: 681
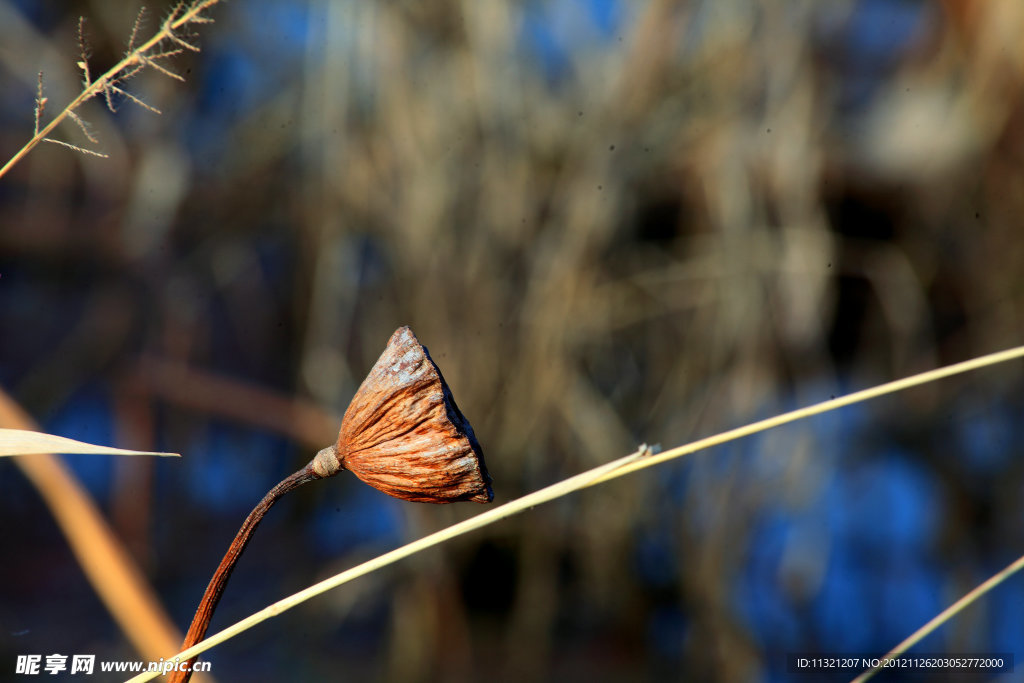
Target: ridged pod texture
x: 404, y: 435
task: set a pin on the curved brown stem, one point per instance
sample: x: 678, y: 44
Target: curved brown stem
x: 201, y: 620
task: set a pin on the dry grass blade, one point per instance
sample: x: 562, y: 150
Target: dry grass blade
x: 612, y: 470
x: 23, y: 442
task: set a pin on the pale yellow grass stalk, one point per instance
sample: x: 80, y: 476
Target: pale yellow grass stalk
x: 944, y: 616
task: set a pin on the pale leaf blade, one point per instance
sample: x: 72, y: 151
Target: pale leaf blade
x: 22, y: 442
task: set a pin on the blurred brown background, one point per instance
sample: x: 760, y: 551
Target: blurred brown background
x: 611, y: 223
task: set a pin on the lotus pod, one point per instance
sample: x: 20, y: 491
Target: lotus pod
x: 404, y: 435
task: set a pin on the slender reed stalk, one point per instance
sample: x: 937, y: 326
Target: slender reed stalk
x: 944, y: 616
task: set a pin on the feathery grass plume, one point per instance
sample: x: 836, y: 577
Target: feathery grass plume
x: 173, y: 38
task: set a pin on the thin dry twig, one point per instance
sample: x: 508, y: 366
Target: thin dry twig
x: 135, y: 29
x: 127, y: 95
x: 83, y: 150
x: 83, y: 126
x: 150, y: 61
x: 83, y: 51
x: 40, y: 103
